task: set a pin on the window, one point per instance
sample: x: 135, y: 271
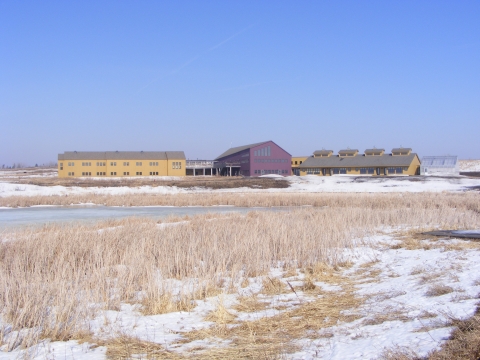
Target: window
x: 176, y: 165
x: 113, y: 163
x: 153, y: 163
x: 86, y: 174
x: 126, y: 173
x: 153, y: 173
x: 301, y: 162
x: 268, y: 150
x: 139, y: 173
x: 367, y: 170
x: 61, y: 166
x: 71, y: 164
x: 86, y: 164
x: 113, y: 173
x: 101, y: 164
x: 138, y: 163
x: 70, y: 174
x: 126, y: 163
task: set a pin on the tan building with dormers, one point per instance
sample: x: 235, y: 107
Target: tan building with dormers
x: 401, y: 161
x: 121, y: 163
x: 296, y: 162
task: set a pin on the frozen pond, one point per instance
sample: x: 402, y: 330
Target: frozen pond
x: 38, y: 215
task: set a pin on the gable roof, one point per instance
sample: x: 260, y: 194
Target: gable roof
x: 323, y: 152
x: 237, y: 149
x: 360, y: 160
x: 122, y: 155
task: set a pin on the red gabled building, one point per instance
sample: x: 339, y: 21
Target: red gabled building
x: 254, y: 160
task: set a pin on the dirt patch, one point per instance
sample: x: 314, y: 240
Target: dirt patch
x: 470, y: 173
x: 212, y: 183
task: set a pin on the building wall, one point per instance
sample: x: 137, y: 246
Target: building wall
x: 120, y: 168
x: 275, y: 161
x: 296, y: 162
x: 412, y: 169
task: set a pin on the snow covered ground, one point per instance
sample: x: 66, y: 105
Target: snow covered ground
x: 469, y: 165
x: 409, y: 294
x: 309, y: 183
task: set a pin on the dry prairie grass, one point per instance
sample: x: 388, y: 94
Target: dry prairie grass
x: 276, y: 335
x: 423, y: 201
x: 180, y: 182
x: 51, y: 276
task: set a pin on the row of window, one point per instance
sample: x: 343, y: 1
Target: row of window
x: 296, y: 162
x: 175, y: 164
x: 369, y: 170
x: 270, y: 172
x: 270, y: 160
x: 262, y: 152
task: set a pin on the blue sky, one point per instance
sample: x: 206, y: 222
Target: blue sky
x: 201, y: 76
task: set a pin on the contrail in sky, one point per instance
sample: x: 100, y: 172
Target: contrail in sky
x: 196, y: 57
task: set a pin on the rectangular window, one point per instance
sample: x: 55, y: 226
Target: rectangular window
x: 139, y: 173
x: 268, y: 150
x: 138, y: 163
x: 126, y: 163
x: 113, y: 163
x: 113, y: 173
x: 126, y: 173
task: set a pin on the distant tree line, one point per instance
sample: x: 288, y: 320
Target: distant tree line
x: 20, y: 165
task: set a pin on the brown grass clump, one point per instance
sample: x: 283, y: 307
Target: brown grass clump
x: 155, y: 303
x: 220, y: 315
x: 250, y: 303
x: 124, y: 347
x: 438, y: 290
x: 273, y: 286
x: 464, y: 342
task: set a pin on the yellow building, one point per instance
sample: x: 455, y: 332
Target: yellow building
x: 121, y: 163
x: 296, y: 162
x: 372, y: 162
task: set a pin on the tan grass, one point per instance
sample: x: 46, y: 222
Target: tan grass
x: 50, y: 276
x: 276, y: 335
x: 124, y: 347
x: 438, y: 290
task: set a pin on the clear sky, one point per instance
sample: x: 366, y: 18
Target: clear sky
x: 202, y: 76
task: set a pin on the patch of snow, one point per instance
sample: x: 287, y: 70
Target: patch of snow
x: 469, y: 165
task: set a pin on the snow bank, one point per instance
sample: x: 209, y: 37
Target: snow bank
x: 307, y: 184
x: 469, y: 165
